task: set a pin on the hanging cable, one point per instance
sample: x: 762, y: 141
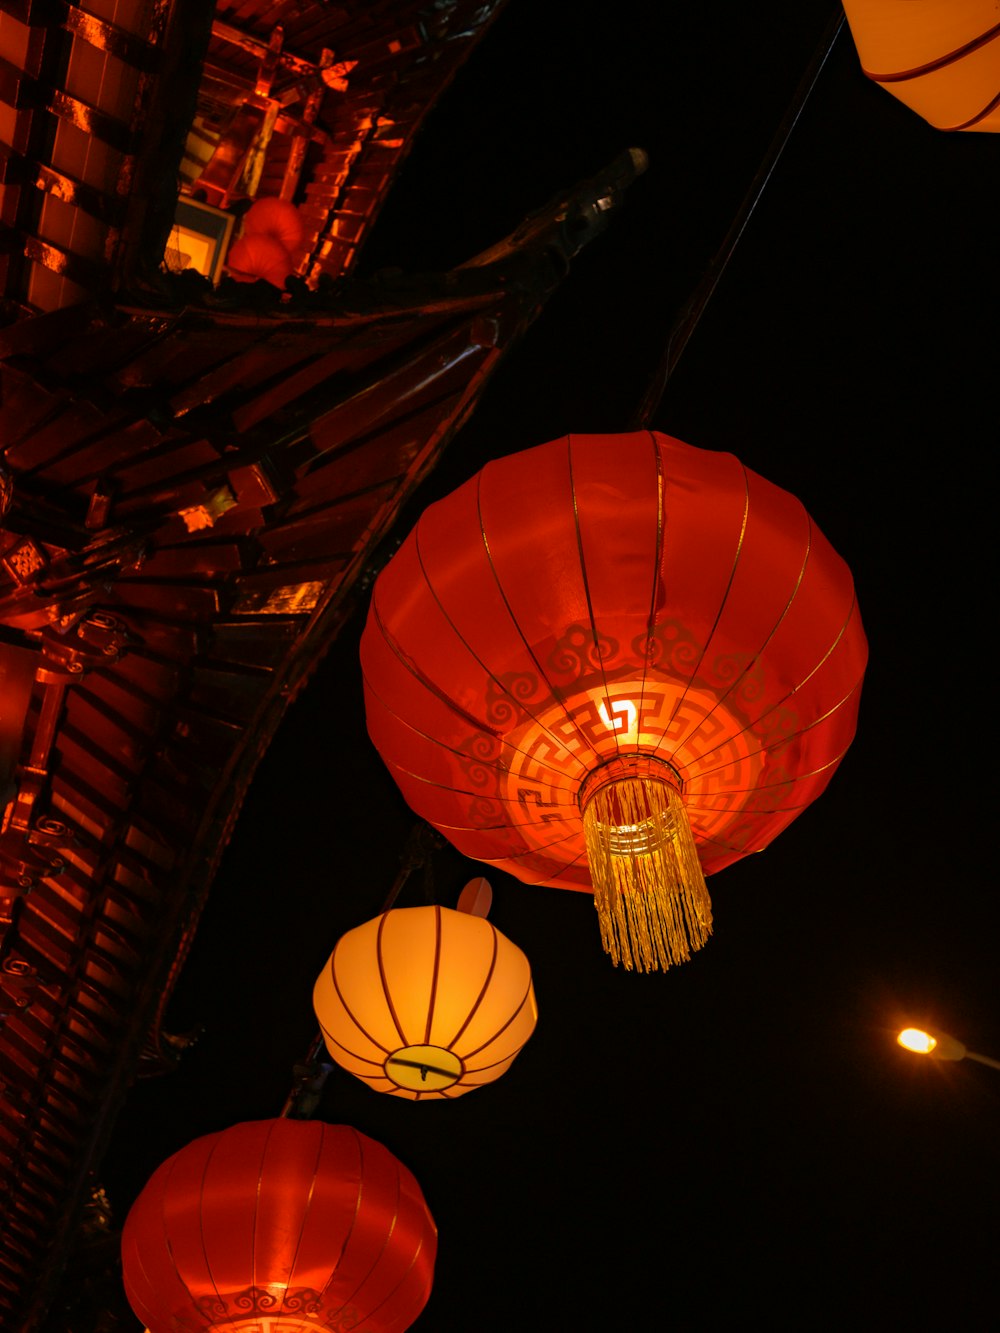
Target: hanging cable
x: 311, y: 1073
x: 693, y: 309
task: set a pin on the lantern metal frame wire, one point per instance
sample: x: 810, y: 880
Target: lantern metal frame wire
x: 279, y: 1224
x: 426, y: 1003
x: 312, y: 1071
x: 690, y: 612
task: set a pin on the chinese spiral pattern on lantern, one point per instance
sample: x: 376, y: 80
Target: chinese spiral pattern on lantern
x: 283, y: 1226
x: 425, y: 1002
x: 602, y: 646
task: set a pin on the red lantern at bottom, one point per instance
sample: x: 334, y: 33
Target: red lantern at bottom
x: 287, y: 1226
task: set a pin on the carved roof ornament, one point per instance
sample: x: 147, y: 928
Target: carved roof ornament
x: 198, y: 478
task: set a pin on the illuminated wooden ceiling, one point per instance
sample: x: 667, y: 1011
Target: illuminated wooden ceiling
x: 196, y: 482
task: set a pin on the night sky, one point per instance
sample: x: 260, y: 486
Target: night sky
x: 737, y: 1141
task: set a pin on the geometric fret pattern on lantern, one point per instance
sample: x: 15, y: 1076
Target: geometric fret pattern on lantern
x: 601, y: 597
x: 425, y: 1003
x: 279, y: 1226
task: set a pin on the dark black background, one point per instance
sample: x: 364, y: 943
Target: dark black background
x: 737, y: 1142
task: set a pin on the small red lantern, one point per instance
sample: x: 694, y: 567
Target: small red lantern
x: 259, y: 256
x: 609, y: 662
x: 283, y: 1225
x: 271, y: 216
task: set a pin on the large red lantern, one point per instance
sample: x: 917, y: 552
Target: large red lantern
x: 609, y: 663
x: 940, y: 57
x: 287, y: 1226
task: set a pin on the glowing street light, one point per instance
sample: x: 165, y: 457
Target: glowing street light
x: 915, y: 1039
x: 940, y: 1046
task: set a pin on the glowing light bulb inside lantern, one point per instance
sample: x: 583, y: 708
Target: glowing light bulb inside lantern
x: 622, y: 717
x: 649, y: 887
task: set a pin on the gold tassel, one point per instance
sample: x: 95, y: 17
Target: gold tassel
x: 649, y: 888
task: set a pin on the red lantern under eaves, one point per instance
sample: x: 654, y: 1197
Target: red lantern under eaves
x: 259, y: 255
x: 609, y: 662
x: 285, y: 1225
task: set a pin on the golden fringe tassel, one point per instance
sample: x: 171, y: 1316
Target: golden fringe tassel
x: 649, y: 888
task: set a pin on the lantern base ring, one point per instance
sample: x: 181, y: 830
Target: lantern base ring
x: 649, y: 888
x: 424, y: 1068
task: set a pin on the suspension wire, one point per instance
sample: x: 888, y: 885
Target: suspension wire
x: 693, y: 309
x: 311, y: 1073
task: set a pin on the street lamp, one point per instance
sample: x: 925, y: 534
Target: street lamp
x: 940, y: 1046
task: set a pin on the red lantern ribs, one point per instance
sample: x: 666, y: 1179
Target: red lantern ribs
x: 610, y: 663
x: 285, y: 1225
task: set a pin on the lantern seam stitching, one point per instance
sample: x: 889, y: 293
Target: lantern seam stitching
x: 722, y: 603
x: 347, y: 1009
x: 385, y: 981
x: 940, y: 62
x: 482, y: 992
x: 755, y: 722
x: 499, y: 1032
x: 306, y: 1210
x: 661, y: 513
x: 556, y: 693
x: 586, y: 582
x: 467, y: 718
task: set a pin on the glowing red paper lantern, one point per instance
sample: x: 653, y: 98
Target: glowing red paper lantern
x: 609, y: 662
x: 940, y: 57
x: 259, y: 256
x: 284, y: 1225
x: 271, y: 216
